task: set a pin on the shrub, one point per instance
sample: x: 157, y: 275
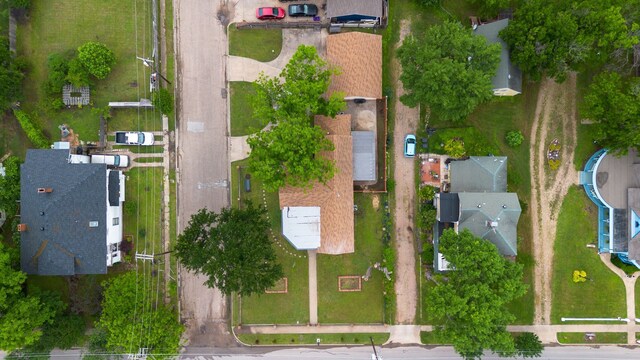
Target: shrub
x: 34, y: 133
x: 20, y: 4
x: 514, y: 138
x: 96, y: 58
x: 77, y: 75
x: 57, y: 103
x: 454, y: 147
x: 57, y: 67
x: 163, y: 101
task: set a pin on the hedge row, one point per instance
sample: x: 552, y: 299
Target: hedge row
x: 34, y: 133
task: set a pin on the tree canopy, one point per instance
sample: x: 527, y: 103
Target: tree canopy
x: 549, y: 37
x: 614, y: 104
x: 23, y: 316
x: 132, y: 317
x: 10, y: 77
x: 287, y: 152
x: 232, y: 248
x: 470, y: 303
x: 96, y: 58
x: 449, y: 69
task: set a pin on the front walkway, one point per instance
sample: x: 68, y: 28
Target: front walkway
x: 313, y: 288
x: 630, y: 286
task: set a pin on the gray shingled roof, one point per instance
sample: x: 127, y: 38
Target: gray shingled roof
x: 508, y: 75
x: 479, y: 174
x: 364, y: 155
x: 448, y: 208
x: 492, y: 216
x: 59, y: 239
x: 337, y: 8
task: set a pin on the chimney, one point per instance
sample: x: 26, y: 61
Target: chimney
x: 22, y: 227
x: 45, y: 190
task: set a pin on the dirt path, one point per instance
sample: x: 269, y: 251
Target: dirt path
x: 555, y: 118
x: 406, y: 120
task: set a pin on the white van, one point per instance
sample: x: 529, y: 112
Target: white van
x: 121, y: 161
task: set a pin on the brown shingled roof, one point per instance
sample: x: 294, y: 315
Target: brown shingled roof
x: 335, y: 199
x: 359, y: 58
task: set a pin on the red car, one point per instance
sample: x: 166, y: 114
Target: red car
x: 270, y: 13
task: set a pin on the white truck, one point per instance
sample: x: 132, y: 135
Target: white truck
x: 119, y: 161
x: 134, y: 138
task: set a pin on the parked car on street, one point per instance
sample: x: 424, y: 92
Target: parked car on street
x: 270, y: 13
x: 303, y: 10
x: 410, y: 145
x: 120, y: 161
x: 134, y: 138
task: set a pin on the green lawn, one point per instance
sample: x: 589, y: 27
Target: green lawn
x: 637, y: 294
x: 242, y: 120
x: 143, y: 208
x: 325, y: 339
x: 365, y: 306
x: 601, y: 338
x: 585, y: 146
x: 258, y: 44
x: 289, y: 308
x: 474, y: 143
x: 112, y: 23
x: 577, y: 226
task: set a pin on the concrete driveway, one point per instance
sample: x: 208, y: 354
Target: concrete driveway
x: 245, y: 69
x: 202, y: 159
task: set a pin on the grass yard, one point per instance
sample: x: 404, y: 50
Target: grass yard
x: 577, y: 226
x: 143, y: 208
x: 325, y: 339
x: 637, y: 294
x: 242, y: 120
x: 258, y: 44
x: 289, y: 308
x: 474, y: 143
x: 600, y: 338
x: 57, y: 26
x: 430, y: 338
x: 365, y: 306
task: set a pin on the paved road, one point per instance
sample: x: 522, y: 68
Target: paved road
x: 202, y: 158
x: 401, y: 353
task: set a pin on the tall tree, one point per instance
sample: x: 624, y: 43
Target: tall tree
x: 21, y: 316
x: 470, y: 304
x: 449, y: 69
x: 288, y: 152
x: 614, y: 104
x: 130, y: 317
x: 549, y: 37
x: 10, y: 187
x: 528, y: 345
x: 10, y: 77
x: 97, y: 58
x: 232, y: 248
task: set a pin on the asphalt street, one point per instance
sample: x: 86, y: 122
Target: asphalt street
x: 202, y: 158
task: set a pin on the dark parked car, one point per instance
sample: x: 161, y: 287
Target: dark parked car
x: 303, y: 10
x: 270, y: 13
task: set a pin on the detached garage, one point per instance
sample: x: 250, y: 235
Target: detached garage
x: 372, y: 12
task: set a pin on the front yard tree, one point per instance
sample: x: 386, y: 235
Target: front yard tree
x: 287, y: 154
x: 448, y: 69
x: 528, y: 345
x: 470, y: 304
x: 232, y: 248
x: 96, y: 58
x: 614, y: 104
x: 131, y: 315
x: 553, y: 37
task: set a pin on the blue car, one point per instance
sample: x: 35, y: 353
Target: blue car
x: 410, y: 146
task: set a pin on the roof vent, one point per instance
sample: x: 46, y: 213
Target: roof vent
x: 479, y: 206
x: 22, y: 227
x: 492, y: 224
x: 41, y: 228
x: 41, y: 213
x: 504, y: 206
x: 93, y: 224
x: 45, y: 190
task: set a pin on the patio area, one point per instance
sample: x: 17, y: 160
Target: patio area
x: 433, y: 170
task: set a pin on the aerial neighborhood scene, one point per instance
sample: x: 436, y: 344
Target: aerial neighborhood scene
x: 322, y: 179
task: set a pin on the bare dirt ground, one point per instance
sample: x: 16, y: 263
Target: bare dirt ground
x: 406, y: 121
x: 555, y: 118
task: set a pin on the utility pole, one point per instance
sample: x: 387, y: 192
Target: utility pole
x: 374, y: 356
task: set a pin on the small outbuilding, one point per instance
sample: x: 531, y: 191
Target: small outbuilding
x: 508, y: 78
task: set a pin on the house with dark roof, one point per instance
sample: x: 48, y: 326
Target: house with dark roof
x: 508, y: 78
x: 478, y: 201
x: 360, y: 13
x: 70, y: 214
x: 612, y: 182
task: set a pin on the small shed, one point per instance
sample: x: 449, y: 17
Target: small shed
x: 508, y: 78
